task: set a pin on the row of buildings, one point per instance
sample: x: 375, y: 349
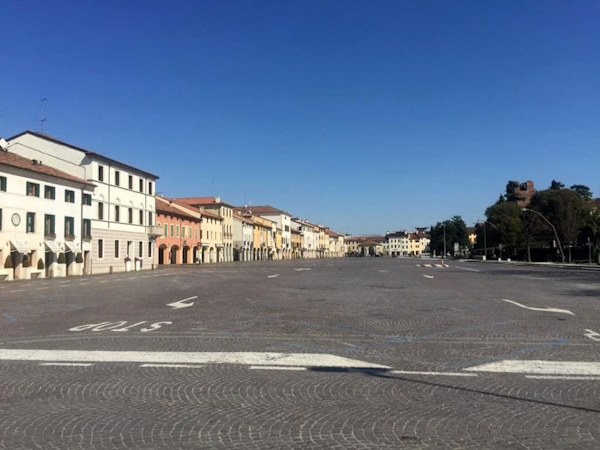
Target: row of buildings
x: 66, y: 210
x: 396, y: 243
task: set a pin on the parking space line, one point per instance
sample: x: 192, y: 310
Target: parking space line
x: 276, y: 368
x: 66, y: 364
x: 18, y: 290
x: 442, y: 374
x: 183, y: 366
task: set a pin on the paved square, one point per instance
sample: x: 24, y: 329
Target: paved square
x: 355, y: 353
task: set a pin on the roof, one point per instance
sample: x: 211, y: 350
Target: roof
x: 164, y: 206
x: 471, y: 230
x: 242, y: 218
x: 74, y: 147
x: 203, y: 201
x: 397, y: 234
x: 211, y: 215
x: 13, y: 160
x: 266, y: 209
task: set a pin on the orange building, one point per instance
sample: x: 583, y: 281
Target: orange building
x: 180, y: 242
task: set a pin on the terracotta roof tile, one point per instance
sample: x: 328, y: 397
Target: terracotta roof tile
x: 13, y: 160
x: 164, y: 206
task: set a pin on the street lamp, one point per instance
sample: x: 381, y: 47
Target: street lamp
x: 485, y: 237
x: 562, y: 254
x: 444, y: 225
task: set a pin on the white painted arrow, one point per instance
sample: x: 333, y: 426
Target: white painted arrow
x: 592, y: 335
x: 428, y: 276
x: 179, y: 304
x: 556, y: 310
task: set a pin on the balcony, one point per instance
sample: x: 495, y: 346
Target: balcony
x: 69, y: 237
x: 154, y: 230
x: 87, y: 238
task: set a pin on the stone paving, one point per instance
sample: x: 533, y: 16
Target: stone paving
x: 427, y: 326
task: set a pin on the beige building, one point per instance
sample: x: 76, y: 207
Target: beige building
x: 215, y: 206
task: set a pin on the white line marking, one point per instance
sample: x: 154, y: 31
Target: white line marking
x: 65, y: 281
x: 83, y: 284
x: 551, y: 377
x: 67, y: 364
x: 42, y: 288
x: 428, y: 276
x: 244, y: 358
x: 417, y: 265
x: 179, y: 304
x: 273, y: 276
x: 427, y: 265
x: 301, y: 269
x: 540, y: 367
x: 442, y: 374
x: 104, y: 281
x: 467, y: 268
x: 592, y: 335
x: 556, y: 310
x: 18, y: 290
x: 184, y: 366
x: 276, y: 368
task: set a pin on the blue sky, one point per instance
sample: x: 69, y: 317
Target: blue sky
x: 367, y: 116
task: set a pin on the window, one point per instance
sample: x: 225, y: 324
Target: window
x: 166, y: 231
x: 130, y: 182
x: 182, y: 231
x: 149, y: 249
x: 100, y: 248
x: 171, y: 230
x: 49, y: 192
x: 141, y: 249
x: 141, y: 217
x: 116, y: 249
x: 0, y: 219
x: 87, y: 228
x: 150, y: 218
x: 87, y: 199
x: 117, y: 211
x: 30, y: 225
x: 33, y: 189
x: 69, y: 227
x: 177, y: 231
x: 100, y: 173
x: 130, y: 215
x: 69, y: 196
x: 49, y: 230
x: 196, y: 233
x: 150, y: 187
x: 3, y: 184
x: 141, y: 185
x: 100, y: 211
x: 190, y: 233
x: 117, y: 178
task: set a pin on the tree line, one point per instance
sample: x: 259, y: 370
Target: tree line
x: 558, y: 224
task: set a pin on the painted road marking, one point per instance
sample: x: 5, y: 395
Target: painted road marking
x: 83, y: 284
x: 592, y: 335
x: 556, y: 310
x: 104, y: 281
x: 10, y: 317
x: 273, y: 276
x: 540, y: 367
x: 66, y: 364
x: 179, y: 304
x: 18, y: 290
x: 276, y: 368
x: 417, y: 265
x: 442, y: 374
x: 42, y: 288
x: 301, y: 269
x: 467, y: 268
x: 428, y: 276
x: 551, y: 377
x: 183, y: 366
x: 244, y: 358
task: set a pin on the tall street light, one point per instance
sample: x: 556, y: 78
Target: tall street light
x: 562, y: 254
x: 485, y: 237
x: 444, y: 225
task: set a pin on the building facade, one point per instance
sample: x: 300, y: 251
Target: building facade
x: 180, y: 242
x: 123, y: 204
x: 45, y: 220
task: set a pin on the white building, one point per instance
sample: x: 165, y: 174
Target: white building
x: 45, y: 219
x: 242, y: 237
x: 123, y: 204
x: 283, y: 221
x: 310, y: 237
x: 397, y: 243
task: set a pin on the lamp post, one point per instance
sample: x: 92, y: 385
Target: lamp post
x: 562, y: 254
x: 485, y: 236
x: 444, y: 225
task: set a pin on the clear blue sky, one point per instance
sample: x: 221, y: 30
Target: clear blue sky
x: 364, y: 115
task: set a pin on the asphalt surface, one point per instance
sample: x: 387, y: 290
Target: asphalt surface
x: 355, y: 353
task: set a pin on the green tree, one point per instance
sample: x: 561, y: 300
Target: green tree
x: 582, y: 190
x: 455, y: 231
x: 565, y: 209
x: 504, y: 225
x: 556, y: 185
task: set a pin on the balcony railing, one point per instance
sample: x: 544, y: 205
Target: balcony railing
x: 154, y: 230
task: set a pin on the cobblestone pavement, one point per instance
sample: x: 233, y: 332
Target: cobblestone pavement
x: 355, y: 353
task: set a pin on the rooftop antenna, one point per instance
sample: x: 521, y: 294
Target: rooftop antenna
x: 212, y: 188
x: 245, y: 196
x: 42, y: 118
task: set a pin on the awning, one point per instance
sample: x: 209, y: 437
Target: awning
x: 73, y: 247
x: 20, y: 246
x: 53, y: 246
